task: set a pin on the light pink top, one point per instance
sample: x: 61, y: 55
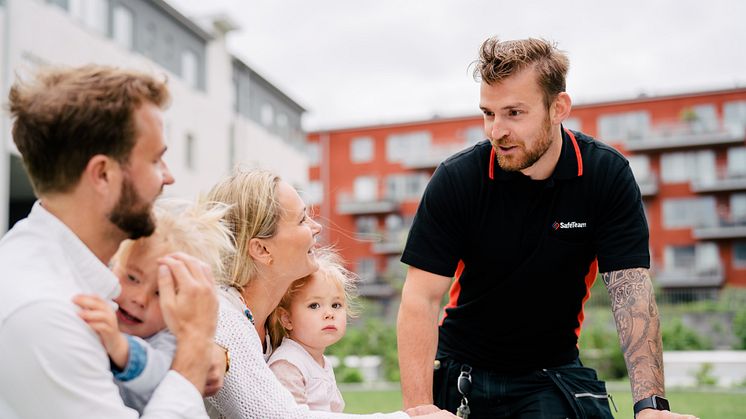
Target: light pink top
x: 310, y: 383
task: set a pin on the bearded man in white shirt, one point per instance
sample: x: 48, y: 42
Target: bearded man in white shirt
x: 92, y: 143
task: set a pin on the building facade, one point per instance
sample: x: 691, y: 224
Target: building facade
x: 222, y: 113
x: 687, y: 151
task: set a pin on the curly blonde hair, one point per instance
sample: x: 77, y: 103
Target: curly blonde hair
x: 330, y: 267
x: 196, y: 229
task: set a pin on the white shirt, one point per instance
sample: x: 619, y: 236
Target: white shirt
x: 250, y: 389
x: 310, y: 383
x: 52, y: 364
x: 159, y: 353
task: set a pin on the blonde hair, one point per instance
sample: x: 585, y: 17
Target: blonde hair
x: 330, y: 267
x: 195, y: 228
x: 254, y: 212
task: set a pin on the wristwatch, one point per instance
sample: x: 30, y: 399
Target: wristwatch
x: 652, y: 402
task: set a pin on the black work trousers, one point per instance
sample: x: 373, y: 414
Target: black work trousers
x: 566, y: 391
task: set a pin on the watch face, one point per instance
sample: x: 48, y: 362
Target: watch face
x: 661, y: 403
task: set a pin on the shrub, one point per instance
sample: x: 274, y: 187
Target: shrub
x: 739, y: 329
x: 600, y: 350
x: 677, y: 337
x: 373, y: 337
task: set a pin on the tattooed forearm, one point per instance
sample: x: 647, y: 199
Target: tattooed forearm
x: 636, y: 316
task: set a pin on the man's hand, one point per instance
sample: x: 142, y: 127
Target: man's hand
x: 428, y: 411
x: 217, y: 370
x: 102, y: 319
x: 661, y: 414
x: 189, y: 306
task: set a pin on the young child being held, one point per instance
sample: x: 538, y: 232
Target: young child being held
x: 310, y: 317
x: 134, y: 334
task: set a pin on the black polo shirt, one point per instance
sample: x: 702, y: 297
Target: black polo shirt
x: 523, y: 251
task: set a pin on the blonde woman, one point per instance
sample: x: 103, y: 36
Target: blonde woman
x: 275, y: 241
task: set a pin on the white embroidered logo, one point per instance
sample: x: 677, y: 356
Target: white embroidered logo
x: 571, y: 224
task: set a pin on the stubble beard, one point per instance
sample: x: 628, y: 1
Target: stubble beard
x: 132, y: 214
x: 529, y: 156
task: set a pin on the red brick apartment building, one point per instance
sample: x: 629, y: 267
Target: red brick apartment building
x: 688, y: 153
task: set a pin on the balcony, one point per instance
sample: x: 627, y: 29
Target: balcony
x: 431, y: 157
x: 348, y: 204
x: 690, y: 277
x: 724, y: 181
x: 684, y: 135
x: 375, y: 289
x: 648, y: 185
x: 726, y: 228
x: 390, y: 242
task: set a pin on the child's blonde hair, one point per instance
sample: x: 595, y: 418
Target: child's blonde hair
x: 330, y: 267
x: 195, y: 228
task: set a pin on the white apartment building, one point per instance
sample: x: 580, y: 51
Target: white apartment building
x: 222, y: 113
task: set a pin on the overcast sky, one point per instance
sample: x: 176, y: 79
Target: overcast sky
x: 355, y: 62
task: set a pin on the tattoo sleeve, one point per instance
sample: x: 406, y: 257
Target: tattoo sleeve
x: 638, y: 325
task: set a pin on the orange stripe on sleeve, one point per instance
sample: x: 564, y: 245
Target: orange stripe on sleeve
x: 590, y: 278
x: 455, y: 290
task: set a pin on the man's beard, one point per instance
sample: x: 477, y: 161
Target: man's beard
x: 530, y: 156
x: 131, y: 214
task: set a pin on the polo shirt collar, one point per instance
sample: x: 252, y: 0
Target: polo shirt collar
x: 570, y: 164
x: 91, y: 274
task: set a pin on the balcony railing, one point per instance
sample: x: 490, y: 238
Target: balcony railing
x: 431, y: 157
x: 726, y: 228
x: 690, y: 277
x: 390, y: 242
x: 723, y: 181
x: 348, y: 204
x: 675, y: 135
x: 377, y: 289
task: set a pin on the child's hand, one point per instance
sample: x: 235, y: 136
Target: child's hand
x: 102, y: 319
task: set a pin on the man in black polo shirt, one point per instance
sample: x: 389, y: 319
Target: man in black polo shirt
x: 523, y: 221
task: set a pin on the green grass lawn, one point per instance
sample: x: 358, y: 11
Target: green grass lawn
x: 704, y: 404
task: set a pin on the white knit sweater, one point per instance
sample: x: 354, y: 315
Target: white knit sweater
x: 250, y: 389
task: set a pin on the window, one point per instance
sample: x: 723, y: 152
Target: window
x: 701, y: 258
x: 189, y: 68
x: 313, y: 194
x: 572, y: 123
x: 366, y: 269
x: 190, y: 152
x: 738, y: 208
x: 366, y: 224
x: 736, y: 162
x: 404, y: 187
x: 267, y: 115
x: 399, y: 146
x: 231, y: 147
x: 361, y: 149
x: 365, y: 189
x: 734, y: 115
x: 640, y: 165
x: 394, y: 222
x: 688, y: 166
x: 94, y: 14
x: 689, y: 212
x: 122, y: 27
x: 739, y: 254
x: 624, y: 126
x: 313, y: 150
x: 680, y: 257
x: 475, y: 134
